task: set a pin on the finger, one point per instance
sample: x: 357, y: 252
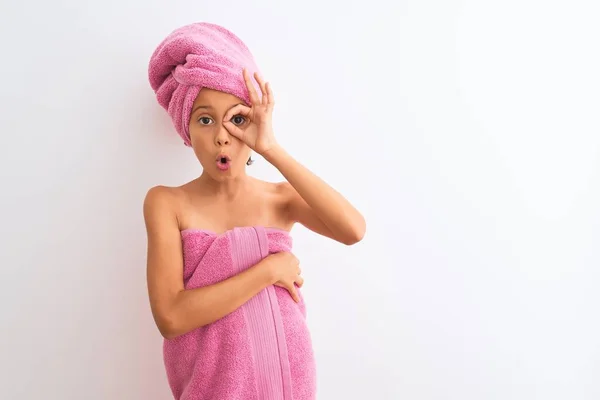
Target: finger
x: 233, y: 130
x: 263, y: 88
x: 300, y: 281
x: 250, y: 87
x: 270, y: 98
x: 239, y: 109
x: 294, y: 294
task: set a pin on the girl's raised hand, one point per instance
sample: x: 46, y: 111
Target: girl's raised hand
x: 257, y: 132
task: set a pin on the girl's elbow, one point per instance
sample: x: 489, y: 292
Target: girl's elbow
x: 357, y: 235
x: 167, y: 327
x: 171, y: 327
x: 353, y: 240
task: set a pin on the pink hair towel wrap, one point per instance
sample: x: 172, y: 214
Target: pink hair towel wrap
x: 196, y: 56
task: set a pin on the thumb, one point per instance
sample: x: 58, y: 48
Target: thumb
x: 233, y: 130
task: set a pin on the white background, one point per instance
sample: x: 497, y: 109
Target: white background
x: 467, y: 132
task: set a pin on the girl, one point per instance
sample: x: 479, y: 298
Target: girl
x: 222, y: 281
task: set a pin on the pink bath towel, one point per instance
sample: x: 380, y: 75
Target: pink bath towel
x: 196, y: 56
x: 261, y: 351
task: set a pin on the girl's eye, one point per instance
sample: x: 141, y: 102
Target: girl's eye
x: 238, y: 120
x: 204, y: 120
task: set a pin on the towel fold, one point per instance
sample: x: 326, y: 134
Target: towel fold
x: 262, y: 350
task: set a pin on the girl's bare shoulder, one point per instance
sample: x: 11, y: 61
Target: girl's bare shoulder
x: 165, y: 194
x: 166, y: 199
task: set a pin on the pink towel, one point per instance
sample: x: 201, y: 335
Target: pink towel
x: 196, y: 56
x: 261, y: 351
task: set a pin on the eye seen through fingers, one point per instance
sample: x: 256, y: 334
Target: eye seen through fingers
x: 238, y: 119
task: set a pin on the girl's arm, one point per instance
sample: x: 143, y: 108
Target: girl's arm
x: 313, y: 203
x: 309, y: 200
x: 176, y: 310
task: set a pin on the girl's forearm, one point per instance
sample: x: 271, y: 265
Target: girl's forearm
x: 344, y: 221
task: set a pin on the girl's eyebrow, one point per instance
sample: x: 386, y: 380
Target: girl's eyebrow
x: 210, y: 107
x: 198, y: 107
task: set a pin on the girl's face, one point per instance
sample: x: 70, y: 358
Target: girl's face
x: 221, y: 154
